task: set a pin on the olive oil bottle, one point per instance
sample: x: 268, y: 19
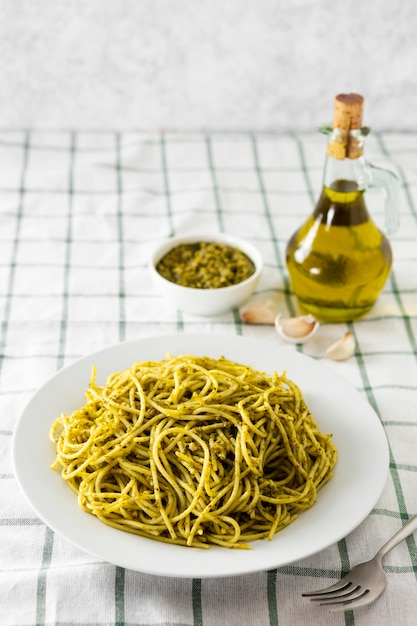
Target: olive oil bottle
x: 339, y: 260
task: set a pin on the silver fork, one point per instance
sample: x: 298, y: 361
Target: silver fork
x: 365, y: 582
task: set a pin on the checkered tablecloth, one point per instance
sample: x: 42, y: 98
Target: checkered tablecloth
x: 79, y: 213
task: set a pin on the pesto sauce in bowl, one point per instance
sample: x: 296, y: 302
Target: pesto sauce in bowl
x: 205, y: 265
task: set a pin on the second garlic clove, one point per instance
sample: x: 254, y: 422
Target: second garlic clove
x: 341, y: 349
x: 296, y: 329
x: 258, y: 314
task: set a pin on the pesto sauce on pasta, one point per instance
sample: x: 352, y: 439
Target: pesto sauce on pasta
x: 194, y: 451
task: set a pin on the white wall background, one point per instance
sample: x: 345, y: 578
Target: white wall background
x: 205, y: 64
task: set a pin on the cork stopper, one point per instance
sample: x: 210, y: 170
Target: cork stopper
x: 348, y: 111
x: 347, y: 116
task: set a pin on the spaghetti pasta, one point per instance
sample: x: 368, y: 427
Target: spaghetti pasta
x: 194, y: 451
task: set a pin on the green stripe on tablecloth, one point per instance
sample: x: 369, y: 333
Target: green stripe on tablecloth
x: 406, y: 318
x: 196, y: 601
x: 166, y: 187
x: 15, y: 245
x: 169, y: 213
x: 345, y: 567
x: 372, y: 401
x: 271, y: 592
x: 272, y: 233
x: 111, y: 623
x: 42, y: 574
x: 362, y: 369
x: 238, y: 324
x: 400, y: 171
x: 209, y: 150
x: 393, y: 423
x: 395, y: 290
x: 304, y: 170
x: 344, y: 557
x: 119, y: 596
x: 120, y: 239
x: 21, y: 521
x: 67, y: 262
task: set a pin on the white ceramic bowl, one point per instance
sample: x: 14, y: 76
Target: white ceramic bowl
x: 206, y: 301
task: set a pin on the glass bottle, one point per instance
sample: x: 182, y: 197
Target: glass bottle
x: 339, y: 260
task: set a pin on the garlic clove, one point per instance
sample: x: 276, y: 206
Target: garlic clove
x: 258, y: 314
x: 341, y: 349
x: 296, y: 329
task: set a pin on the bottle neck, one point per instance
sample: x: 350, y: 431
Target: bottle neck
x: 344, y: 181
x: 353, y: 170
x: 345, y: 160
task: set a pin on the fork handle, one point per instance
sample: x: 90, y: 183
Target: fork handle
x: 404, y: 532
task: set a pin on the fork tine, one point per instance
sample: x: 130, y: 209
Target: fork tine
x: 356, y: 604
x: 355, y: 594
x: 339, y: 586
x: 345, y: 592
x: 369, y: 596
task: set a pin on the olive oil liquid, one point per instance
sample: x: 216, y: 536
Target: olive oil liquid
x: 338, y: 261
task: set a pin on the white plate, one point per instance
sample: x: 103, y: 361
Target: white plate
x: 341, y: 506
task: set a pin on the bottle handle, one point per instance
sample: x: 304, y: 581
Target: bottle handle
x: 381, y: 177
